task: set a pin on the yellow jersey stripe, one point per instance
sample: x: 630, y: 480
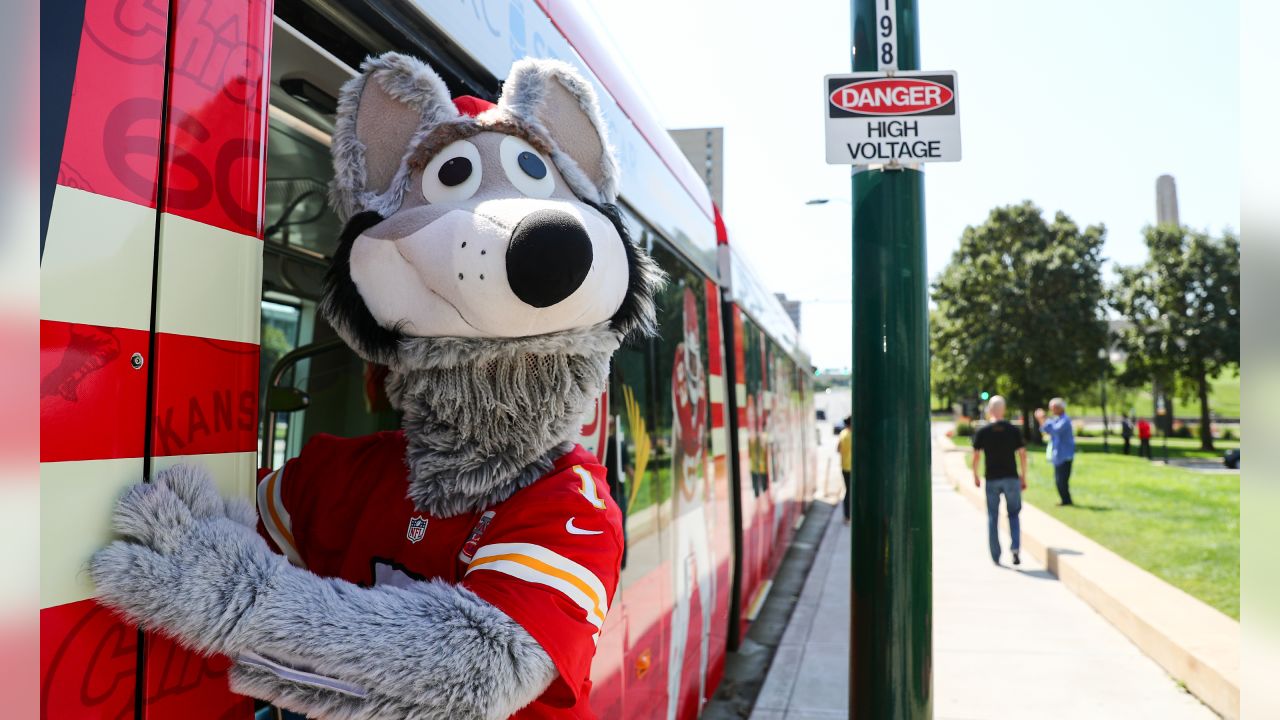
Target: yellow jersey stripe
x: 551, y: 558
x: 275, y: 518
x: 545, y: 569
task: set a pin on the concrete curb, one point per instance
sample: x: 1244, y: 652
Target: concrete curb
x: 1195, y: 643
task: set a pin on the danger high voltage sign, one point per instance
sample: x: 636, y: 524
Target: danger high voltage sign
x: 876, y: 119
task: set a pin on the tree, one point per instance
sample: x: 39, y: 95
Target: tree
x: 1184, y: 306
x: 1019, y: 308
x: 945, y: 383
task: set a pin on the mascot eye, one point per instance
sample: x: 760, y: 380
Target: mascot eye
x: 455, y: 172
x: 532, y: 165
x: 526, y: 168
x: 453, y: 175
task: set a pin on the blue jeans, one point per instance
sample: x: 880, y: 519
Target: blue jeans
x: 1011, y: 488
x: 1062, y: 478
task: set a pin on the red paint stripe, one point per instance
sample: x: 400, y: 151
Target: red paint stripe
x: 739, y: 360
x: 717, y: 415
x: 218, y: 114
x: 112, y: 142
x: 88, y: 663
x: 92, y: 400
x: 206, y: 396
x: 715, y: 364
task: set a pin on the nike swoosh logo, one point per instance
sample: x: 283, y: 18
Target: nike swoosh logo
x: 575, y: 530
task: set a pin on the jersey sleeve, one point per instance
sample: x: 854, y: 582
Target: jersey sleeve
x: 550, y: 561
x: 292, y: 498
x: 276, y: 496
x: 978, y: 438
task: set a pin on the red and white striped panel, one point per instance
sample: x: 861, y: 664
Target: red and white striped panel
x: 113, y: 248
x: 715, y: 373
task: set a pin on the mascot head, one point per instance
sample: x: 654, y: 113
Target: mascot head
x: 473, y: 220
x: 484, y: 263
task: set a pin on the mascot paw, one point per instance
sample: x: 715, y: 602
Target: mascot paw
x: 190, y: 564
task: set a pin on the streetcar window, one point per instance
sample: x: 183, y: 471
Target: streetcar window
x: 632, y: 456
x: 311, y: 381
x: 756, y: 380
x: 682, y: 402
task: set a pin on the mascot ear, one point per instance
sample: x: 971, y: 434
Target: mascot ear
x: 560, y: 104
x: 383, y: 113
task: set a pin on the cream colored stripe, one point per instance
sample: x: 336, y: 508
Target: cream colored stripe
x: 715, y: 388
x: 96, y: 267
x: 740, y: 391
x: 76, y: 500
x: 277, y: 497
x: 719, y: 441
x: 271, y: 508
x: 524, y: 572
x: 551, y: 558
x: 235, y: 474
x: 210, y: 281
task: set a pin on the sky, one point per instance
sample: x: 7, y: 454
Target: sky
x: 1078, y: 106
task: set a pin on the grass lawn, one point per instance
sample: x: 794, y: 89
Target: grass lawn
x: 1178, y: 447
x: 1180, y: 525
x: 1224, y: 401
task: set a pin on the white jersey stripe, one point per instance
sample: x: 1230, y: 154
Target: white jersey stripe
x: 589, y: 487
x: 520, y: 570
x: 554, y: 559
x: 275, y: 517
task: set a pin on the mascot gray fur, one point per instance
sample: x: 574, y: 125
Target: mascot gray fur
x: 484, y: 264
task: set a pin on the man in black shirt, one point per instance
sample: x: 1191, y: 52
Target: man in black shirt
x: 999, y: 439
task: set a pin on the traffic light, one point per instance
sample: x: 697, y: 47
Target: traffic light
x: 985, y: 395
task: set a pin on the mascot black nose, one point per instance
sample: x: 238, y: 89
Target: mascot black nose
x: 549, y: 257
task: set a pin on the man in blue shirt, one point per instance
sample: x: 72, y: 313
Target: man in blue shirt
x: 1062, y: 445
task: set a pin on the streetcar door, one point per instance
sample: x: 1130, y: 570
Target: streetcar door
x: 97, y: 254
x: 149, y: 334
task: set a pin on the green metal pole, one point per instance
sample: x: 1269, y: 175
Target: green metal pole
x: 891, y: 649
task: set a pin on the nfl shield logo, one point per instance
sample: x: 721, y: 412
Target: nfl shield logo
x: 417, y: 528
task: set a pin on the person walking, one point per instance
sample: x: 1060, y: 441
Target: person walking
x: 1062, y: 445
x: 845, y: 444
x: 998, y: 440
x: 1144, y: 438
x: 1126, y: 431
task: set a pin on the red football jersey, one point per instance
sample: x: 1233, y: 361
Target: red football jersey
x: 549, y: 556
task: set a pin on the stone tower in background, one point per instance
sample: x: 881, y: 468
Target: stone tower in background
x: 1166, y: 201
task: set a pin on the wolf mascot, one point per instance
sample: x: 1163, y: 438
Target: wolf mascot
x: 463, y: 566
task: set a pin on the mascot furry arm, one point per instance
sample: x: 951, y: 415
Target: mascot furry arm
x: 484, y: 263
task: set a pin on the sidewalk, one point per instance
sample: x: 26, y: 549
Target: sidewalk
x: 1008, y: 643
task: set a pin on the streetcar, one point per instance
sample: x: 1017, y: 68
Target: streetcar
x: 182, y: 257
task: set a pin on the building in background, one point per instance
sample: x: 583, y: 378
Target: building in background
x: 792, y: 307
x: 705, y: 149
x: 1166, y: 200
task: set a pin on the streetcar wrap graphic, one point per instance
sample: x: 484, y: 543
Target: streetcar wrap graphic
x: 179, y: 283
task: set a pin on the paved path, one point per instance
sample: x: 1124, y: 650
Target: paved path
x: 1008, y: 643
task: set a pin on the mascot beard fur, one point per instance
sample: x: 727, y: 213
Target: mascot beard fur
x: 484, y: 263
